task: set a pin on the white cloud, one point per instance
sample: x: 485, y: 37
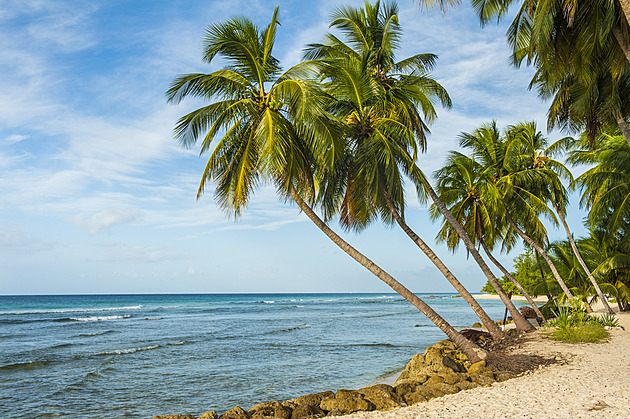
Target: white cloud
x: 16, y: 138
x: 17, y: 240
x: 107, y: 219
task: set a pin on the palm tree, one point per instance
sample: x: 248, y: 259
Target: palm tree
x: 273, y: 124
x: 378, y: 99
x: 606, y: 187
x: 576, y: 47
x: 536, y: 156
x: 502, y: 159
x: 589, y: 102
x: 567, y: 264
x: 611, y: 262
x: 473, y: 200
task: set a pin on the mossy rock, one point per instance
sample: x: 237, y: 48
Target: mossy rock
x: 477, y: 367
x: 235, y: 413
x: 429, y: 392
x: 481, y: 379
x: 452, y: 377
x: 503, y: 376
x: 466, y: 385
x: 433, y: 356
x: 347, y: 401
x: 305, y: 411
x: 445, y: 388
x: 434, y: 379
x: 210, y: 414
x: 383, y: 396
x: 173, y: 417
x: 415, y: 398
x: 309, y: 399
x: 413, y: 368
x: 408, y: 386
x: 270, y: 410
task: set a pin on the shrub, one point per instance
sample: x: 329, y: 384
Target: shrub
x: 587, y: 332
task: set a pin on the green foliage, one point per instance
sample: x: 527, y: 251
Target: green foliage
x: 527, y: 273
x: 588, y: 332
x: 610, y: 320
x: 573, y: 325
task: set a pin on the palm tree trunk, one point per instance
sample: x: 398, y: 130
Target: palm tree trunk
x: 513, y: 280
x: 624, y: 128
x: 616, y: 30
x: 576, y: 251
x: 490, y: 325
x: 472, y: 351
x: 520, y: 321
x: 542, y: 253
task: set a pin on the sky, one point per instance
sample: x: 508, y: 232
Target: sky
x: 97, y: 197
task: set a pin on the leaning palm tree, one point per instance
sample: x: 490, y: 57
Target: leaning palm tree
x: 273, y: 123
x: 473, y: 200
x: 502, y: 160
x: 567, y: 264
x: 536, y: 155
x: 378, y: 98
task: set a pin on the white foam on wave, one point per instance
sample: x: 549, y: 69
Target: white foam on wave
x: 268, y: 302
x: 72, y: 310
x: 98, y: 318
x: 130, y: 350
x: 96, y: 333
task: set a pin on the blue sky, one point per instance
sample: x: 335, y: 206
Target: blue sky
x: 96, y: 197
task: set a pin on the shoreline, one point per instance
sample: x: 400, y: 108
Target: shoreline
x: 590, y: 380
x: 540, y: 299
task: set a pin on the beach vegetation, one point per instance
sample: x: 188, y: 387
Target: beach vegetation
x: 572, y: 324
x: 581, y: 333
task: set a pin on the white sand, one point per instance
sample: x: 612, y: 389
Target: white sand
x: 593, y: 382
x: 539, y: 299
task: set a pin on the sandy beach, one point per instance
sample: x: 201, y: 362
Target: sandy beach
x: 590, y: 380
x: 540, y: 299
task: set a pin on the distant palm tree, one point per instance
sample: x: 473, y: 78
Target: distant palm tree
x: 274, y: 127
x: 474, y: 200
x: 502, y: 160
x: 378, y: 98
x: 567, y: 264
x: 537, y: 156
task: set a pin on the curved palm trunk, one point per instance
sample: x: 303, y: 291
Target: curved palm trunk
x: 513, y: 280
x: 542, y: 253
x: 576, y: 251
x: 624, y: 127
x: 472, y: 351
x: 489, y: 324
x: 520, y: 321
x: 616, y: 30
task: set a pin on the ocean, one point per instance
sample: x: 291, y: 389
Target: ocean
x: 135, y: 356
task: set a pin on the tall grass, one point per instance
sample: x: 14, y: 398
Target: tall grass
x: 578, y: 326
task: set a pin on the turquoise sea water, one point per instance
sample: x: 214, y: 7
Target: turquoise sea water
x: 114, y: 356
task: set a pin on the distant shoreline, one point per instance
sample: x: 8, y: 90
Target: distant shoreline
x: 539, y: 299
